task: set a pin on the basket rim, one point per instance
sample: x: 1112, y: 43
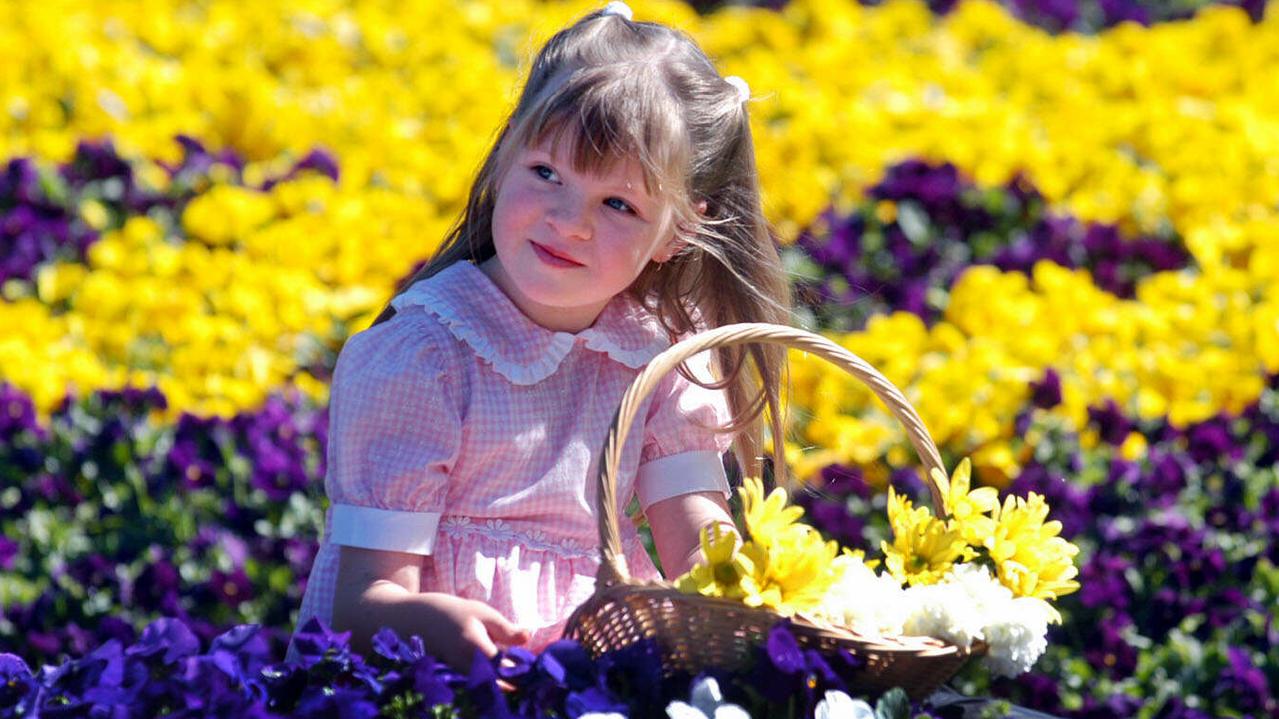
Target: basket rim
x: 612, y: 577
x: 612, y: 569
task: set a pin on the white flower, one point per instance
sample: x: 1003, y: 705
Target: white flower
x: 1017, y: 637
x: 838, y: 705
x: 707, y: 702
x: 863, y: 600
x: 944, y: 611
x: 969, y: 604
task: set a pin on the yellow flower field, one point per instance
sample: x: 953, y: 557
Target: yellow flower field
x: 1175, y: 126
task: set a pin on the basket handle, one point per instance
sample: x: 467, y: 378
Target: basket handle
x: 612, y: 568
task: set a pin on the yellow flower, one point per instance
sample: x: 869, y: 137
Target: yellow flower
x: 768, y: 518
x: 720, y: 575
x: 784, y: 566
x: 1030, y: 559
x: 791, y: 574
x: 923, y: 547
x: 968, y: 510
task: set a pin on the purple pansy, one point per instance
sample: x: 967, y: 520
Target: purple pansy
x: 1109, y: 652
x: 8, y: 550
x: 1046, y: 393
x: 17, y: 415
x: 1244, y: 684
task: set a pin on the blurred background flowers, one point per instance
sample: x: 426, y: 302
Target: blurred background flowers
x: 1054, y: 224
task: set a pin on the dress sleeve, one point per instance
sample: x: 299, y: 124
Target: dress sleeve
x: 682, y: 451
x: 395, y: 429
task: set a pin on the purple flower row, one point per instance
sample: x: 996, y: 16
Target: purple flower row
x: 868, y: 262
x: 1095, y: 15
x: 40, y: 218
x: 183, y: 520
x: 1069, y: 15
x: 165, y: 672
x: 171, y: 516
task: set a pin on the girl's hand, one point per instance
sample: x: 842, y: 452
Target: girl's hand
x: 378, y: 589
x: 461, y: 626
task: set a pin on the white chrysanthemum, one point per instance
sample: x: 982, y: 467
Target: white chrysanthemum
x: 980, y: 586
x: 1017, y: 637
x: 958, y: 608
x: 945, y: 611
x: 970, y: 604
x: 864, y: 601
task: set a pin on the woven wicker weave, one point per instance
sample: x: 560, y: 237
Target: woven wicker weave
x: 693, y: 632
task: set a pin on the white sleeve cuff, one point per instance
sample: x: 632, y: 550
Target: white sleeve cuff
x: 676, y: 474
x: 372, y: 528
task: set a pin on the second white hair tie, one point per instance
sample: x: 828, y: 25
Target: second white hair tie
x: 743, y: 90
x: 619, y: 8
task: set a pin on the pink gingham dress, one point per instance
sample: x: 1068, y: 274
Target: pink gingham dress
x: 462, y: 431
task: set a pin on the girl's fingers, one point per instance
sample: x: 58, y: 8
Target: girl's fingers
x: 478, y: 638
x: 502, y: 630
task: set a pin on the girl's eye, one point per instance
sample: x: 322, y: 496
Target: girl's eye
x: 545, y: 173
x: 619, y: 204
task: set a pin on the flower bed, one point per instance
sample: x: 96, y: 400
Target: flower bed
x: 1060, y: 245
x: 168, y: 671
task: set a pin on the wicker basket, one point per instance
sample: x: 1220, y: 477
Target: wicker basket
x: 693, y: 632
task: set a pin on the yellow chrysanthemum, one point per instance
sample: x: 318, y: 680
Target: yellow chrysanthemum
x: 768, y: 518
x: 785, y: 565
x: 790, y: 575
x: 923, y: 547
x: 1030, y: 559
x: 968, y: 511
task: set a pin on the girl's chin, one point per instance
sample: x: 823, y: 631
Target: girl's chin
x: 543, y: 301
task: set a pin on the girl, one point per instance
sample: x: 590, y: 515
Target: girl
x: 617, y: 211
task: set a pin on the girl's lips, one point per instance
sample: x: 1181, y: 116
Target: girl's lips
x: 552, y: 258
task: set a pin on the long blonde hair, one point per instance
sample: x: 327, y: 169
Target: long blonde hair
x: 621, y: 89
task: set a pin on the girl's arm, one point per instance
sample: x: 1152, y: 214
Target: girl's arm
x: 378, y: 589
x: 677, y: 523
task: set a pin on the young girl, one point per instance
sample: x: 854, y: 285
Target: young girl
x: 617, y: 211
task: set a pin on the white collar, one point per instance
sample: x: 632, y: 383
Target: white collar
x: 479, y: 313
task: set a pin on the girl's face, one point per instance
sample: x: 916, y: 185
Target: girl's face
x: 567, y: 243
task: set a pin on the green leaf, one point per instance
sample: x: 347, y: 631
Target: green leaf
x: 893, y: 705
x: 914, y: 222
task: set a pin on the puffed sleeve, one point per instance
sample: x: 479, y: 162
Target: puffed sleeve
x: 682, y: 452
x: 395, y: 429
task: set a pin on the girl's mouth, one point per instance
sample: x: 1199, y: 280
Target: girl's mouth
x: 553, y: 258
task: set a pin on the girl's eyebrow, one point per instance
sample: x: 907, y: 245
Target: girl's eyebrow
x: 633, y: 190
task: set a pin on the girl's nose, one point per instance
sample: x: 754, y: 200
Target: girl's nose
x: 570, y: 219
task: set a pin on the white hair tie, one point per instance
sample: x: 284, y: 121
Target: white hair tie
x: 743, y: 90
x: 619, y: 8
